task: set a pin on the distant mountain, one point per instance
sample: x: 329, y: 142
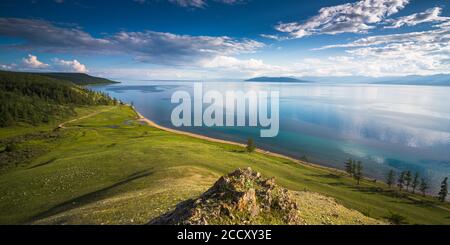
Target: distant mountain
x: 276, y: 79
x: 434, y: 80
x: 78, y: 78
x: 340, y: 79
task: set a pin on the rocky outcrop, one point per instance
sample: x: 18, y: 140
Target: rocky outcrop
x: 242, y: 197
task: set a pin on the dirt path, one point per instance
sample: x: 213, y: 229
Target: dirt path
x: 62, y: 125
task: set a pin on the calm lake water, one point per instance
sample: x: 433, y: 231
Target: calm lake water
x: 385, y: 126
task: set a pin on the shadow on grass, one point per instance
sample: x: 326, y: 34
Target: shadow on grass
x: 399, y: 197
x: 43, y: 164
x: 337, y: 184
x: 89, y: 197
x: 375, y: 190
x: 238, y: 151
x: 327, y: 176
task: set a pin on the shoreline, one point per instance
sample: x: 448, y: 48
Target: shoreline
x: 151, y: 123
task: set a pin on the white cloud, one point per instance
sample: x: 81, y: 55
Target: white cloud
x: 424, y: 53
x: 7, y: 67
x: 434, y: 36
x: 70, y: 65
x: 168, y: 48
x: 241, y: 67
x: 146, y: 46
x: 190, y: 3
x: 31, y: 61
x: 430, y: 15
x: 356, y: 17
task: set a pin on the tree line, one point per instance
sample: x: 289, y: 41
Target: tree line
x: 404, y: 181
x: 34, y: 99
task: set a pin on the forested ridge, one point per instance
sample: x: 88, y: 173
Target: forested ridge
x: 33, y: 99
x: 78, y: 78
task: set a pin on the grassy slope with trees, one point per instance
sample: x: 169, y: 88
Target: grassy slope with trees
x: 111, y: 169
x: 32, y: 99
x: 108, y: 168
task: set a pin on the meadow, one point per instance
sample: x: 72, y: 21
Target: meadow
x: 109, y: 168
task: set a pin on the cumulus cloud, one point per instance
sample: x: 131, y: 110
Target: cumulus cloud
x: 218, y: 67
x: 7, y: 67
x: 70, y: 65
x: 358, y: 17
x: 31, y: 61
x: 253, y: 67
x: 425, y: 52
x: 167, y: 48
x: 430, y: 15
x: 439, y: 36
x: 146, y: 46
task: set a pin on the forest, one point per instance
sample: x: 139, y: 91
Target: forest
x: 27, y: 98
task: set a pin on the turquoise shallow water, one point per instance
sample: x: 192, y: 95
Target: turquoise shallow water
x: 385, y: 126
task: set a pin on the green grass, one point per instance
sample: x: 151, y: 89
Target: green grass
x: 23, y: 128
x: 106, y: 170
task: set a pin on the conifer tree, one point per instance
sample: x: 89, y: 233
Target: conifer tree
x: 444, y: 190
x: 423, y: 186
x: 407, y: 179
x: 401, y: 181
x: 358, y: 172
x: 349, y: 166
x: 390, y: 178
x: 415, y: 182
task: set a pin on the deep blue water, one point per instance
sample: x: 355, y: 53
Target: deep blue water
x: 385, y: 126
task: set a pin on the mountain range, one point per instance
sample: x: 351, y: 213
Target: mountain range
x: 431, y: 80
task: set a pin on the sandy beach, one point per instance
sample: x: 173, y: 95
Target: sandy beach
x: 151, y: 123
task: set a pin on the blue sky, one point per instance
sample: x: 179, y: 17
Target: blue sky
x: 210, y: 39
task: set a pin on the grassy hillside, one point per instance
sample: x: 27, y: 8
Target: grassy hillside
x: 78, y: 78
x: 110, y: 169
x: 34, y: 99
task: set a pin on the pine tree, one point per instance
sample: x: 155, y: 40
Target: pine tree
x: 349, y: 166
x: 250, y: 145
x: 401, y: 181
x: 390, y: 178
x: 415, y: 182
x: 358, y: 172
x: 444, y: 190
x: 407, y: 179
x: 423, y: 186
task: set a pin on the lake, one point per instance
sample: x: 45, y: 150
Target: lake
x: 385, y: 126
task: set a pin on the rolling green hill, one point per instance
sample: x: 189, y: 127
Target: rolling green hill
x: 72, y: 156
x: 33, y: 99
x: 111, y: 169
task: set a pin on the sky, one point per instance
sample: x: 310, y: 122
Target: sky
x: 226, y: 39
